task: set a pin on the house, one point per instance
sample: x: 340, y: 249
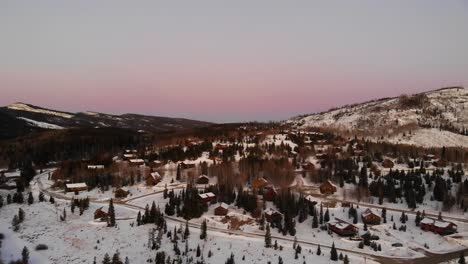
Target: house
x: 272, y: 215
x: 221, y: 209
x: 76, y: 187
x: 343, y: 228
x: 207, y: 197
x: 100, y: 214
x: 203, y: 179
x: 153, y: 178
x: 270, y: 194
x: 259, y: 183
x: 328, y: 187
x: 95, y: 167
x: 136, y: 162
x: 370, y: 218
x: 438, y: 226
x: 121, y: 193
x: 311, y: 200
x: 387, y: 163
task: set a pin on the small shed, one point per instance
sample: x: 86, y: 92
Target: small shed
x: 100, y: 214
x: 76, y: 187
x: 207, y: 197
x: 153, y: 178
x: 328, y: 187
x: 222, y: 209
x: 121, y: 193
x: 370, y: 218
x: 343, y: 228
x: 272, y: 215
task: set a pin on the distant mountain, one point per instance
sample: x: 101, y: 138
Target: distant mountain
x: 20, y: 118
x: 431, y: 119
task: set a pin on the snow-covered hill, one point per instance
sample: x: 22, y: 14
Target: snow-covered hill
x: 405, y: 119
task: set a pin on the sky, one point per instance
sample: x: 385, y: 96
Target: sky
x: 227, y: 61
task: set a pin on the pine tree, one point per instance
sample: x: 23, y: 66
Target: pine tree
x: 186, y: 231
x: 106, y: 259
x: 25, y: 255
x: 462, y: 259
x: 314, y: 221
x: 30, y: 198
x: 15, y: 223
x: 203, y: 230
x: 198, y: 251
x: 21, y: 215
x: 321, y: 214
x: 280, y: 260
x: 319, y: 251
x: 138, y: 220
x: 178, y: 176
x: 111, y: 214
x: 116, y: 258
x: 230, y: 260
x: 72, y: 207
x: 346, y: 259
x: 51, y: 200
x: 333, y: 253
x: 268, y: 237
x: 326, y: 218
x: 41, y: 197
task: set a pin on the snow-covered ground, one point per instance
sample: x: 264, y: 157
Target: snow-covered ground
x: 40, y: 124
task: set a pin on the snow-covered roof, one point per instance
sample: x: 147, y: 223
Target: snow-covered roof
x: 310, y: 198
x: 76, y: 185
x: 223, y: 205
x: 207, y: 195
x: 271, y: 211
x: 155, y: 175
x: 368, y: 212
x: 137, y: 160
x: 94, y: 167
x: 435, y: 222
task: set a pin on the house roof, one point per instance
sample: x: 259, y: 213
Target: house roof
x: 368, y: 212
x: 155, y: 175
x: 76, y: 185
x: 341, y: 224
x: 271, y: 211
x: 436, y: 222
x: 223, y: 205
x: 207, y: 195
x: 136, y: 160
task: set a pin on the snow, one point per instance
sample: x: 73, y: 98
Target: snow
x: 40, y: 124
x: 27, y: 108
x: 76, y: 185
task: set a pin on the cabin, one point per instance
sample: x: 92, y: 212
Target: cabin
x: 136, y: 162
x: 221, y: 209
x: 370, y: 218
x: 95, y: 167
x: 100, y: 214
x: 121, y: 193
x: 311, y: 200
x: 272, y: 215
x: 259, y: 183
x: 203, y: 179
x: 270, y: 194
x: 153, y: 178
x: 438, y: 226
x: 328, y: 187
x: 207, y: 197
x: 388, y: 164
x: 76, y: 187
x: 343, y: 228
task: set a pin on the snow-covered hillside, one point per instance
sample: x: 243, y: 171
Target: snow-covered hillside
x: 390, y: 118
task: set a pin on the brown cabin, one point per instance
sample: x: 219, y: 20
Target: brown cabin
x: 370, y: 218
x: 270, y: 194
x: 272, y: 215
x: 343, y: 228
x: 153, y: 178
x: 259, y: 183
x: 387, y: 163
x: 203, y: 179
x: 221, y: 209
x: 76, y: 187
x: 207, y: 197
x: 438, y: 226
x: 327, y: 188
x: 121, y: 193
x: 100, y: 214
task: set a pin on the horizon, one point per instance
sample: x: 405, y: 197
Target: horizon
x: 227, y: 62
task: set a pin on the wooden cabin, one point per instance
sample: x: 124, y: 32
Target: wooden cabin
x: 328, y: 187
x: 387, y: 163
x: 207, y: 197
x: 153, y: 178
x: 370, y: 218
x: 270, y: 194
x: 100, y: 214
x: 121, y: 193
x: 343, y: 228
x: 259, y: 183
x: 221, y: 209
x: 438, y: 226
x: 76, y: 187
x: 272, y: 215
x: 203, y: 179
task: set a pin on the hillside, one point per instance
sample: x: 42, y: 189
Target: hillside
x: 431, y: 119
x: 23, y: 118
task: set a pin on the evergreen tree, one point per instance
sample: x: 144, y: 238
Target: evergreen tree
x: 111, y: 214
x: 314, y: 221
x: 203, y: 230
x: 30, y: 198
x: 333, y: 253
x: 186, y: 231
x: 230, y: 260
x: 41, y: 197
x: 319, y: 251
x: 116, y: 258
x: 138, y: 220
x: 267, y: 237
x: 15, y: 223
x: 198, y: 251
x: 106, y: 259
x: 21, y: 215
x: 326, y: 217
x: 346, y: 259
x: 462, y: 259
x: 25, y: 255
x: 280, y: 260
x: 51, y: 200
